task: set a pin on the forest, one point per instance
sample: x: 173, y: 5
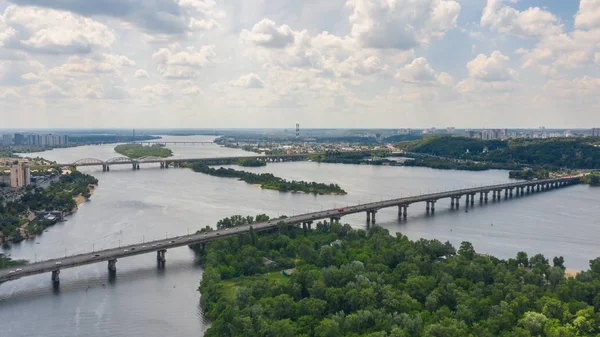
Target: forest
x: 57, y: 197
x: 552, y: 152
x: 269, y: 181
x: 135, y: 151
x: 348, y: 282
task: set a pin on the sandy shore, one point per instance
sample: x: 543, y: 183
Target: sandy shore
x: 80, y: 199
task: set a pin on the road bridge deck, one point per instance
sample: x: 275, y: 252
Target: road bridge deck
x: 57, y: 264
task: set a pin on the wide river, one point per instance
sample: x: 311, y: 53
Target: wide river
x: 132, y: 206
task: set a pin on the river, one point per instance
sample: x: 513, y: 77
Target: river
x: 132, y: 206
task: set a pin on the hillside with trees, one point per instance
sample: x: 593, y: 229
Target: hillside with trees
x: 551, y: 152
x: 347, y: 282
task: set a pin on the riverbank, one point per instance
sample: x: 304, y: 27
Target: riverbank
x: 80, y: 199
x: 39, y: 209
x: 269, y: 181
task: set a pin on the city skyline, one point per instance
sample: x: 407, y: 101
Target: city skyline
x: 261, y: 64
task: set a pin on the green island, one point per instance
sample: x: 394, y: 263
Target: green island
x: 269, y: 181
x: 338, y: 281
x: 30, y: 215
x: 135, y: 151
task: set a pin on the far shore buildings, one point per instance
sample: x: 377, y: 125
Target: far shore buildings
x: 20, y: 175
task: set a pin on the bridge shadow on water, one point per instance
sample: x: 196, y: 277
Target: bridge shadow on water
x: 103, y: 279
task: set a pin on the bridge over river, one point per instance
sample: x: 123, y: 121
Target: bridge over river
x: 160, y: 247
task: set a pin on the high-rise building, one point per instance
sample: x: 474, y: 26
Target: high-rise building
x: 596, y: 132
x: 7, y: 139
x: 20, y: 175
x: 19, y: 139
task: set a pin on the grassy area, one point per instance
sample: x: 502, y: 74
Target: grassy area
x: 231, y: 286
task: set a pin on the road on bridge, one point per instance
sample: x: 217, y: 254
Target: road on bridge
x: 61, y: 263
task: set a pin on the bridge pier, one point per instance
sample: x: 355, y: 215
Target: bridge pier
x: 452, y: 202
x: 405, y: 211
x: 368, y: 217
x: 373, y: 216
x: 494, y: 195
x: 161, y: 258
x: 55, y: 277
x: 511, y: 193
x: 427, y: 207
x: 506, y: 194
x: 467, y: 199
x: 472, y: 199
x: 399, y: 211
x: 486, y: 196
x: 432, y: 206
x: 105, y: 168
x: 457, y: 202
x: 480, y: 197
x: 112, y: 265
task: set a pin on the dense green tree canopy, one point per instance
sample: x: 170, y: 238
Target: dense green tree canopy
x: 374, y: 284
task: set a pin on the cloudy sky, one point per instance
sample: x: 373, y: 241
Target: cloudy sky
x: 322, y: 63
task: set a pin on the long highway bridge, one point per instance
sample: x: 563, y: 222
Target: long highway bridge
x: 54, y: 266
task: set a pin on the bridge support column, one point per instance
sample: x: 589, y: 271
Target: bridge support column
x: 432, y: 206
x: 452, y: 202
x: 55, y: 277
x: 480, y: 197
x: 506, y: 194
x: 467, y: 200
x: 399, y: 211
x: 405, y: 211
x: 528, y: 189
x: 457, y: 202
x: 498, y: 194
x: 427, y: 207
x: 368, y: 217
x: 493, y: 195
x: 373, y: 216
x: 112, y: 265
x: 103, y: 168
x: 472, y: 199
x: 486, y: 196
x: 161, y: 258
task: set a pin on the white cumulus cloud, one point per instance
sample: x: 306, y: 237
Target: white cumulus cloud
x: 176, y: 62
x: 494, y: 68
x: 401, y: 24
x: 533, y: 22
x: 248, y: 81
x: 57, y: 32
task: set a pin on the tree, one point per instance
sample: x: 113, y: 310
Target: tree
x: 522, y: 259
x: 559, y: 262
x: 533, y: 322
x: 467, y: 250
x: 327, y: 328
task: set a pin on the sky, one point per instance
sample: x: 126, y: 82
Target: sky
x: 320, y: 63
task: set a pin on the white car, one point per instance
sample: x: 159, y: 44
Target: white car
x: 19, y: 269
x: 126, y: 250
x: 11, y: 272
x: 58, y: 263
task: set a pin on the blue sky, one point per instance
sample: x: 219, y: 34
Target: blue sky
x: 272, y: 63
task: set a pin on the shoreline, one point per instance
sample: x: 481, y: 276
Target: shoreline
x: 80, y: 199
